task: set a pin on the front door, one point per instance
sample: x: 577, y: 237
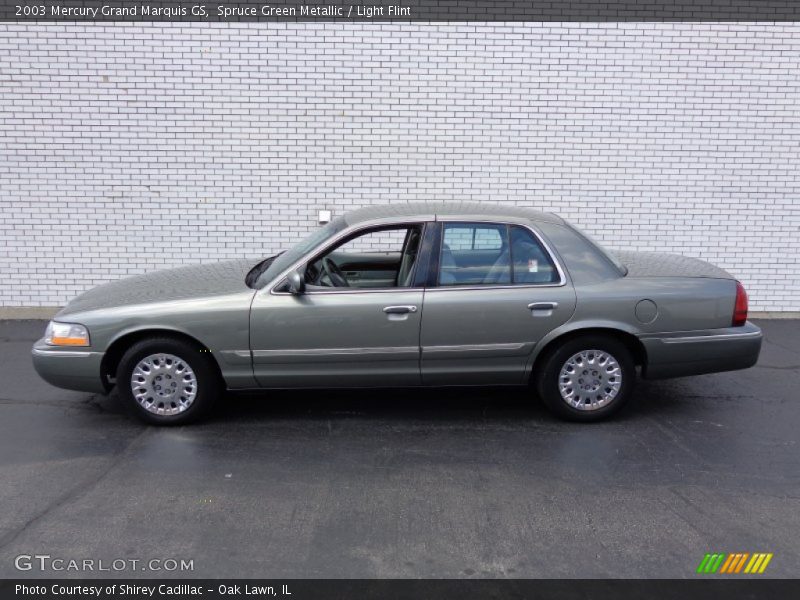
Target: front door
x: 498, y: 291
x: 356, y: 324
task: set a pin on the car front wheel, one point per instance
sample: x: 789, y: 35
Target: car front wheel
x: 587, y: 378
x: 166, y: 381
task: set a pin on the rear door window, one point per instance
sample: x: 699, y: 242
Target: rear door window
x: 474, y: 254
x: 493, y: 254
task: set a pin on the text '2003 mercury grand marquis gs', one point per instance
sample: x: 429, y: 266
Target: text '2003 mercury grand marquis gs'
x: 407, y: 295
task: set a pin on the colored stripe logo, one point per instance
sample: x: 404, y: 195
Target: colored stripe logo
x: 737, y: 562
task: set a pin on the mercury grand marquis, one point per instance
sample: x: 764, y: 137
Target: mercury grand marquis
x: 407, y: 295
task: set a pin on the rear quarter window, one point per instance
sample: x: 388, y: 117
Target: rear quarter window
x: 584, y: 262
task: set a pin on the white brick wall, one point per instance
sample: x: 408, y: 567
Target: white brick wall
x: 126, y: 148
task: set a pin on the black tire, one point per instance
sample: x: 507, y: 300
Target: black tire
x: 547, y: 378
x: 200, y: 362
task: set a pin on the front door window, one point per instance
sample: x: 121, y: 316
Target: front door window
x: 377, y: 258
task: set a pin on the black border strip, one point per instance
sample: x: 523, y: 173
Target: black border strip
x: 390, y: 589
x: 399, y: 10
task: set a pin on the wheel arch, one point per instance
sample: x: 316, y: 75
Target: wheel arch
x: 622, y: 334
x: 122, y: 342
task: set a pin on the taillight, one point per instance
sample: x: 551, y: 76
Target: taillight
x: 740, y: 308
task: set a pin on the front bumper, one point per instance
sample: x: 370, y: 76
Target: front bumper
x: 69, y: 368
x: 697, y: 352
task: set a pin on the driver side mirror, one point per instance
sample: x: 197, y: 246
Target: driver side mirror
x: 297, y: 283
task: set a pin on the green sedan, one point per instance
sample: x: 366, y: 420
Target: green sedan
x: 403, y: 296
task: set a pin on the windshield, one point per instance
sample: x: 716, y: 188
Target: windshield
x: 296, y: 252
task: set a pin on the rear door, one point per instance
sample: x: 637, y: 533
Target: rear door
x: 495, y: 291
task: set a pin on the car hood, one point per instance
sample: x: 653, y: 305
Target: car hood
x: 167, y: 285
x: 657, y: 264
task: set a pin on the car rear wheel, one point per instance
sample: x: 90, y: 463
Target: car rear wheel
x: 167, y: 381
x: 587, y: 378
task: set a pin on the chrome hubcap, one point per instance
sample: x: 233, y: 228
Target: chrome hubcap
x: 590, y: 379
x: 164, y: 384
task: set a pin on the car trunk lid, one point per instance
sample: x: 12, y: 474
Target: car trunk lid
x: 657, y: 264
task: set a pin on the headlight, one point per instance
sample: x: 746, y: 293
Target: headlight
x: 66, y: 334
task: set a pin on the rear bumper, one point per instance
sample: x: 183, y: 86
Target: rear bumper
x: 72, y: 369
x: 697, y: 352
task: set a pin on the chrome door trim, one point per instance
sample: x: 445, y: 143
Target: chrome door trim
x: 335, y: 351
x: 475, y: 347
x: 459, y: 288
x: 345, y: 290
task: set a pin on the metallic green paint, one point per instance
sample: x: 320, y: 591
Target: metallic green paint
x: 345, y: 337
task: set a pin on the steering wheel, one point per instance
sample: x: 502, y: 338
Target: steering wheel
x: 334, y: 273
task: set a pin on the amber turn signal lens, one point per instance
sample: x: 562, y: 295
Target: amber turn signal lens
x: 66, y: 341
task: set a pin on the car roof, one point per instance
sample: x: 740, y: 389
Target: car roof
x: 449, y: 210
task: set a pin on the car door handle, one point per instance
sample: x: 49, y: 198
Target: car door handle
x: 400, y: 310
x: 542, y: 309
x: 543, y: 305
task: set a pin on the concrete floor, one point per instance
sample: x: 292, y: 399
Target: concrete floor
x: 455, y: 483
